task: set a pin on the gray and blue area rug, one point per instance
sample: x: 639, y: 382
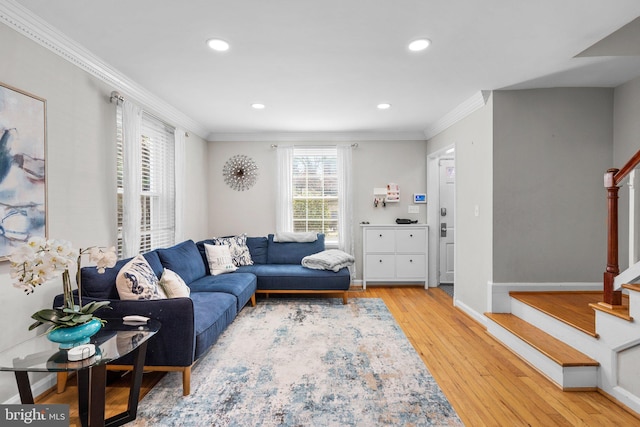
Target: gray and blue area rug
x: 305, y: 362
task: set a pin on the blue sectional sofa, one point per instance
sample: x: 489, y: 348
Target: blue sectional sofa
x: 190, y: 326
x: 277, y: 267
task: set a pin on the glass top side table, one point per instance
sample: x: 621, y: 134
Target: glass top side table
x: 116, y: 339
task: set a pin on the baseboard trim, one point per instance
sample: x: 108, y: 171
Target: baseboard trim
x: 498, y: 293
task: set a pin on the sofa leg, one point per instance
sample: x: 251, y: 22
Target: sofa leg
x: 62, y: 381
x: 253, y: 300
x: 186, y: 381
x: 344, y: 298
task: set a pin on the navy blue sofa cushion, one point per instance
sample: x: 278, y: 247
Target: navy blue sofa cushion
x: 258, y: 249
x: 242, y: 286
x: 183, y: 259
x: 203, y: 253
x: 102, y: 286
x: 297, y: 277
x: 292, y: 252
x: 213, y: 311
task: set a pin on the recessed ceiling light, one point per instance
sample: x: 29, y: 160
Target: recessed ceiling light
x: 384, y: 106
x: 218, y: 45
x: 258, y: 106
x: 419, y: 44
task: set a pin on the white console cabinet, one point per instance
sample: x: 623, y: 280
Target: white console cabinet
x: 394, y: 253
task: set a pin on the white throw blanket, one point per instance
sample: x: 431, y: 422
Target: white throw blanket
x: 292, y: 236
x: 331, y: 259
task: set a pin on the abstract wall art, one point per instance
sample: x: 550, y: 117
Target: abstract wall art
x: 22, y: 168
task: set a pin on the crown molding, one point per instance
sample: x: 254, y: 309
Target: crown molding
x: 477, y: 101
x: 35, y: 28
x: 314, y: 136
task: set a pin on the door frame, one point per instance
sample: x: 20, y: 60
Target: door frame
x: 433, y: 217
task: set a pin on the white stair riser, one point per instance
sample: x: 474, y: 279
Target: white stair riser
x: 581, y: 341
x: 579, y: 377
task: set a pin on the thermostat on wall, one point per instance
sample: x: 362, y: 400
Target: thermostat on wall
x: 419, y: 198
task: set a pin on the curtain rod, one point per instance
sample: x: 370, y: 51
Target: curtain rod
x: 117, y: 97
x: 354, y: 145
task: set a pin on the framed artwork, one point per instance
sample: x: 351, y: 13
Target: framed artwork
x: 22, y: 168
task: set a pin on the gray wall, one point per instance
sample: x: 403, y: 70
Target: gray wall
x: 626, y: 122
x: 551, y: 149
x: 81, y: 183
x: 473, y: 140
x: 375, y: 163
x: 626, y: 142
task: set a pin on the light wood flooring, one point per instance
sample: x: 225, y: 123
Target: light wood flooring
x: 486, y: 383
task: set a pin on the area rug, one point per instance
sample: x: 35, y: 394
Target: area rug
x: 305, y: 362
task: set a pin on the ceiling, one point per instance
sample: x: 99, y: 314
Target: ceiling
x: 322, y: 66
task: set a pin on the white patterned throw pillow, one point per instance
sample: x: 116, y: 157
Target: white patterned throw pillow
x: 237, y: 247
x: 136, y: 280
x: 173, y: 285
x: 219, y: 259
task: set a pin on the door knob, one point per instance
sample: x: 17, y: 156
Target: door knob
x: 443, y: 229
x: 443, y: 211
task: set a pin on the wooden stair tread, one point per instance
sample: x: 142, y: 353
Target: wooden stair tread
x: 569, y: 307
x: 621, y: 311
x: 561, y: 353
x: 632, y: 287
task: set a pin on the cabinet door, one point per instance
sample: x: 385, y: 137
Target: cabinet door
x: 411, y: 266
x: 411, y: 240
x: 380, y: 267
x: 380, y: 240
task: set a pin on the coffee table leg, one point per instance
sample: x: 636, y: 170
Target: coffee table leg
x: 136, y: 381
x: 83, y: 396
x: 24, y: 387
x: 98, y: 386
x: 134, y: 389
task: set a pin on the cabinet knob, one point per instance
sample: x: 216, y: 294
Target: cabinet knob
x: 380, y: 261
x: 410, y: 260
x: 410, y: 235
x: 381, y: 235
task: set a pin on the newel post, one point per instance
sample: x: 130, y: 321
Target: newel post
x: 611, y: 297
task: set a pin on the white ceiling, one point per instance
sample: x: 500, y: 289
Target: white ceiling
x: 323, y: 65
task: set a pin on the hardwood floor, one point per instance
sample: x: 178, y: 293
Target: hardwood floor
x: 486, y: 383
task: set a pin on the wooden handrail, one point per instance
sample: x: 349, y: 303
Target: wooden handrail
x: 612, y: 180
x: 627, y: 168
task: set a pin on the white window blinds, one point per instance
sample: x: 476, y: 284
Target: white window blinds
x: 157, y: 183
x: 315, y: 191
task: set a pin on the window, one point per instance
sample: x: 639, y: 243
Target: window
x: 315, y: 191
x: 157, y: 191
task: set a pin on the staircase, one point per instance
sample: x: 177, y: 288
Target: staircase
x: 583, y: 340
x: 523, y: 331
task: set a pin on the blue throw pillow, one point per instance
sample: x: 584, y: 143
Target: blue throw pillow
x: 292, y: 252
x: 183, y: 259
x: 258, y: 249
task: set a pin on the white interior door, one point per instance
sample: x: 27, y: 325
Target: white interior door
x: 446, y: 213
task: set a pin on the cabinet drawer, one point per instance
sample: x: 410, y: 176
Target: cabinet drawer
x: 411, y: 266
x: 380, y: 240
x: 380, y: 267
x: 411, y: 240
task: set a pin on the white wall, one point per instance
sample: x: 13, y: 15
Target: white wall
x: 473, y: 140
x: 551, y: 150
x: 81, y: 185
x: 375, y: 163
